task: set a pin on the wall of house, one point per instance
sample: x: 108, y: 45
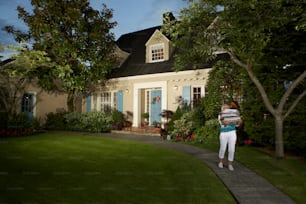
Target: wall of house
x: 171, y: 83
x: 46, y: 102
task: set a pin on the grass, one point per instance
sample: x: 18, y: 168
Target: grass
x: 288, y: 174
x: 69, y: 168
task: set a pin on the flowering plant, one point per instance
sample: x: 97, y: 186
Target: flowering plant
x: 183, y: 126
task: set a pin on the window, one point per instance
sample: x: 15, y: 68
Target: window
x: 105, y: 101
x: 192, y: 94
x: 157, y: 53
x: 196, y: 96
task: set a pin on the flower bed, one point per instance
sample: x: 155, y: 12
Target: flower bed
x: 16, y: 132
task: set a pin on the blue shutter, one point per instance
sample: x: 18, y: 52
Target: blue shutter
x: 186, y: 94
x: 88, y: 103
x: 120, y: 101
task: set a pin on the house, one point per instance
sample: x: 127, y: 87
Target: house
x: 26, y: 96
x: 145, y: 81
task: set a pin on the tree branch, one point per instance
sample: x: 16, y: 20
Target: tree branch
x: 290, y: 90
x: 257, y: 83
x: 295, y: 103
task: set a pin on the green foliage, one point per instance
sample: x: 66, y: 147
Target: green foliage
x: 209, y: 130
x: 184, y: 125
x: 96, y: 122
x: 3, y: 120
x: 294, y: 130
x: 224, y: 86
x: 19, y: 122
x: 198, y: 114
x: 258, y: 123
x: 118, y: 119
x: 29, y: 63
x: 177, y: 115
x: 12, y: 89
x: 36, y: 123
x: 74, y: 121
x: 258, y: 38
x: 145, y: 115
x: 56, y: 121
x: 75, y: 37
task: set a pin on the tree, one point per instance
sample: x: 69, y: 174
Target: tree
x: 224, y: 86
x: 15, y: 73
x: 76, y: 37
x: 247, y: 32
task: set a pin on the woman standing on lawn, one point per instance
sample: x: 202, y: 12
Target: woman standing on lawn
x: 228, y: 135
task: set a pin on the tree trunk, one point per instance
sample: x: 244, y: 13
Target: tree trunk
x: 70, y: 101
x: 279, y: 142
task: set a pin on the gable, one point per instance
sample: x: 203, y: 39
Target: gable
x: 159, y: 44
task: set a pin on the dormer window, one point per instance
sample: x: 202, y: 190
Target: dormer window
x: 157, y: 52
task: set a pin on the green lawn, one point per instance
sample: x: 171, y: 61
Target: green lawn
x: 68, y: 168
x: 288, y: 174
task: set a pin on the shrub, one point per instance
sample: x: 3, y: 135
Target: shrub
x: 3, y: 120
x: 36, y: 124
x: 16, y: 125
x: 118, y: 120
x: 74, y: 121
x: 96, y: 122
x: 19, y: 121
x: 56, y: 121
x: 208, y: 131
x: 183, y: 126
x: 177, y: 115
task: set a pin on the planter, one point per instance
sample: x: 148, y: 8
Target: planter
x: 179, y: 138
x: 157, y: 130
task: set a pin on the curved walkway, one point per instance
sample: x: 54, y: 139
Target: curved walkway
x: 245, y: 185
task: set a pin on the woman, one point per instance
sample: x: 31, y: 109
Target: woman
x: 228, y: 119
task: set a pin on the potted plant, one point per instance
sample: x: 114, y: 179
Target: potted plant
x: 166, y: 114
x: 146, y: 116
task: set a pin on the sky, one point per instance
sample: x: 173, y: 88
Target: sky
x: 130, y: 15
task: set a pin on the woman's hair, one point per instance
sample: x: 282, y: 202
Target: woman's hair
x: 234, y: 105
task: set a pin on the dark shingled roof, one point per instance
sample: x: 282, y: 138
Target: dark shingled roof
x: 4, y: 62
x: 135, y: 65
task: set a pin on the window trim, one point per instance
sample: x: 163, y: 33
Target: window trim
x: 202, y: 92
x: 96, y: 103
x: 154, y: 47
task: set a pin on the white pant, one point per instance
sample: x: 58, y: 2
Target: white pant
x: 227, y: 138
